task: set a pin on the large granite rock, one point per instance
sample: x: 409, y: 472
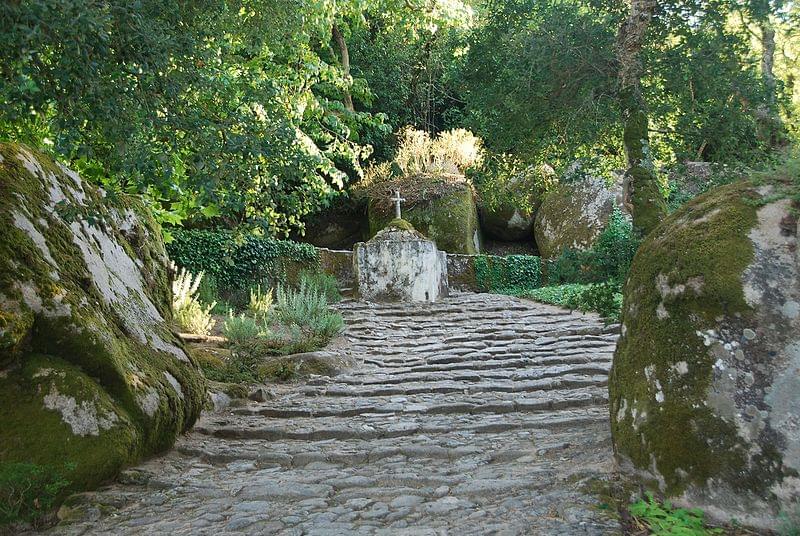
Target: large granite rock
x: 399, y: 264
x: 705, y: 385
x: 573, y: 215
x: 508, y: 215
x: 90, y: 372
x: 443, y: 210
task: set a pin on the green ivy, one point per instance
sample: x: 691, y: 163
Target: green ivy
x: 236, y: 262
x: 495, y: 274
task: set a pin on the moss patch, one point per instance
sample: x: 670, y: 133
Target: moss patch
x: 684, y: 276
x: 446, y: 215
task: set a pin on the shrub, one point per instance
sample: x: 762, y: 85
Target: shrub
x: 603, y: 298
x: 240, y: 329
x: 28, y: 492
x: 306, y: 307
x: 324, y: 283
x: 451, y: 151
x: 190, y: 314
x: 609, y: 259
x: 260, y: 302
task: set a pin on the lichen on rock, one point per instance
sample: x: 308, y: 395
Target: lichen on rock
x: 704, y: 389
x: 91, y: 371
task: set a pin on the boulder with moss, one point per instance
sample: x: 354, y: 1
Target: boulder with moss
x: 507, y: 204
x: 705, y: 384
x: 572, y: 216
x: 91, y: 375
x: 441, y: 207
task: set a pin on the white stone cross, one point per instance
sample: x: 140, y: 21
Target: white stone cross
x: 397, y: 200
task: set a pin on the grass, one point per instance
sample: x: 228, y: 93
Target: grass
x: 602, y: 298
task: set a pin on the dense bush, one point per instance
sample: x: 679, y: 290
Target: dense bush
x: 602, y: 298
x: 608, y: 260
x: 238, y: 262
x: 28, y: 491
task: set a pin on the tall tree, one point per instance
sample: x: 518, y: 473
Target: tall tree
x: 642, y: 192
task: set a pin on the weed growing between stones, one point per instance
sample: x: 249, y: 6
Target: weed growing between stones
x: 663, y: 519
x: 28, y: 492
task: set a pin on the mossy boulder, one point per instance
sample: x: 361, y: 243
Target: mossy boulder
x: 705, y: 384
x: 90, y: 372
x: 507, y: 209
x: 441, y: 209
x: 573, y: 215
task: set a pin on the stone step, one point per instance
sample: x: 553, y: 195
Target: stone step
x: 303, y: 429
x: 481, y: 403
x: 510, y: 362
x: 447, y: 386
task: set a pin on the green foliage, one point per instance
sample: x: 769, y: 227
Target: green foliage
x: 325, y: 283
x: 497, y: 274
x: 790, y: 523
x: 609, y: 259
x: 307, y: 308
x: 603, y: 298
x: 28, y: 492
x: 663, y: 519
x: 241, y: 328
x: 216, y: 110
x: 238, y: 262
x: 260, y: 302
x: 190, y: 314
x: 503, y: 180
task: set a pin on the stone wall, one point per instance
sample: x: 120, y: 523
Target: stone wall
x: 460, y: 269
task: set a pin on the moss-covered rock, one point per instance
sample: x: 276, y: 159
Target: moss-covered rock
x: 442, y: 210
x: 572, y: 216
x: 90, y: 372
x: 705, y: 385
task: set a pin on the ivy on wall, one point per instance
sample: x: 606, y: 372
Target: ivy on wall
x: 504, y: 273
x: 237, y: 262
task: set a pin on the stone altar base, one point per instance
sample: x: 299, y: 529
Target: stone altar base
x: 400, y: 265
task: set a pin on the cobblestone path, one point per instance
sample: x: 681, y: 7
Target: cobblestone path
x: 479, y: 414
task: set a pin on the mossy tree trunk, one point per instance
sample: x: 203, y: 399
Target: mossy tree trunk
x: 642, y: 192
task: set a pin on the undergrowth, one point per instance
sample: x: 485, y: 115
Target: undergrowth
x: 28, y: 492
x: 663, y: 519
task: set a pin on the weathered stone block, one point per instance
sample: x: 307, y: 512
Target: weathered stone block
x: 573, y: 216
x: 400, y: 264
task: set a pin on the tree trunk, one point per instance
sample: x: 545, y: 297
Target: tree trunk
x: 344, y: 56
x: 768, y: 61
x: 642, y: 192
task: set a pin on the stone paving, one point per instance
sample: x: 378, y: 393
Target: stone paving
x: 478, y: 414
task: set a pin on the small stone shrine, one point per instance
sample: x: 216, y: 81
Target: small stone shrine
x: 400, y: 264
